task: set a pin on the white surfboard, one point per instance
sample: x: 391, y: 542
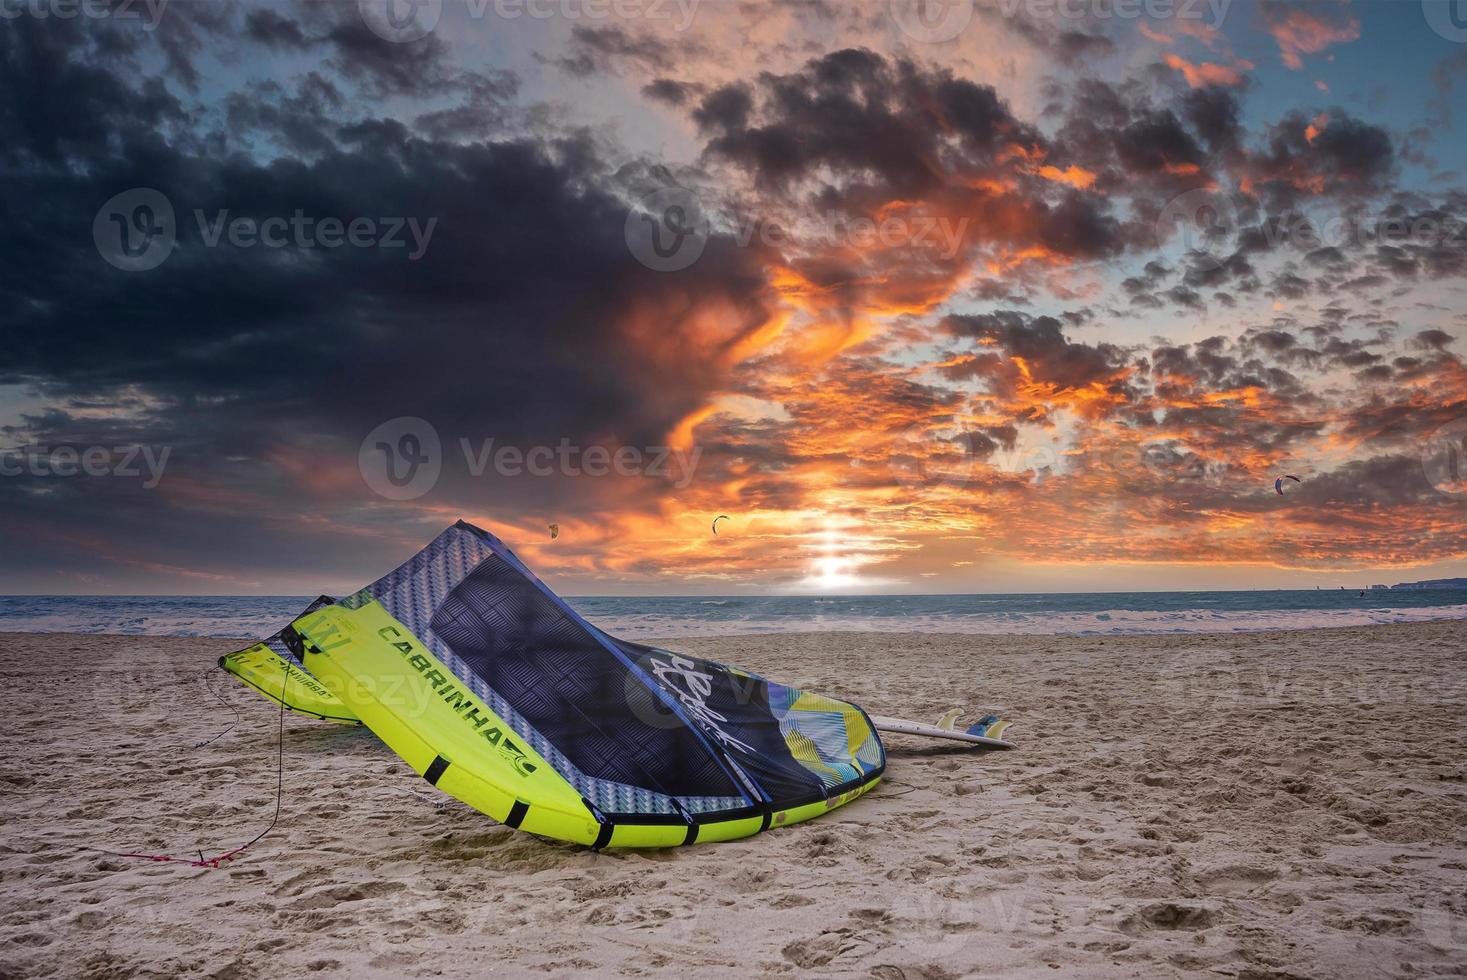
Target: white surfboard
x: 902, y: 727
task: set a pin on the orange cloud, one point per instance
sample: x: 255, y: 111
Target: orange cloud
x: 1207, y: 73
x: 1077, y: 177
x: 1308, y: 30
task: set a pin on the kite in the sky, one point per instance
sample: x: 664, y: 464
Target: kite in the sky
x: 1279, y: 483
x: 720, y: 517
x: 554, y: 531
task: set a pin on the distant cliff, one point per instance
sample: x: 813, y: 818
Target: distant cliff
x: 1435, y: 583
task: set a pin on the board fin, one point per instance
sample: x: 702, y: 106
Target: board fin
x: 989, y: 726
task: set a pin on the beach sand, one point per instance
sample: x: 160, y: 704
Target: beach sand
x: 1251, y: 805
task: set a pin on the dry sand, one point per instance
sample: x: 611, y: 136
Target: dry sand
x: 1286, y: 804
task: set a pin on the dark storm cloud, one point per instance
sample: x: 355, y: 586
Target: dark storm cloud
x: 853, y: 112
x: 1042, y: 345
x: 1054, y: 35
x: 854, y: 131
x: 275, y: 30
x: 528, y: 321
x: 338, y: 31
x: 603, y: 50
x: 527, y: 290
x: 1436, y: 340
x: 1213, y: 113
x: 725, y: 109
x: 383, y: 67
x: 1157, y: 142
x: 56, y: 106
x: 671, y: 91
x: 1346, y: 157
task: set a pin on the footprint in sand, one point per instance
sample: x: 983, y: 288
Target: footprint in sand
x: 1167, y: 916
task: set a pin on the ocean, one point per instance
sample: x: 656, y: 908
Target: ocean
x: 637, y: 618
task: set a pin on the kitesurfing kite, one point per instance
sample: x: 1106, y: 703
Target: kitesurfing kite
x: 554, y: 531
x: 720, y: 517
x: 498, y: 693
x: 1279, y: 483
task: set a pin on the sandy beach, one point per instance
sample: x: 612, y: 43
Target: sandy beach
x: 1247, y: 805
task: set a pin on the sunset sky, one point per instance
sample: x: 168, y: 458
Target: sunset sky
x: 1001, y: 300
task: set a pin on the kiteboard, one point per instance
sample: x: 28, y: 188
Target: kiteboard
x: 946, y: 729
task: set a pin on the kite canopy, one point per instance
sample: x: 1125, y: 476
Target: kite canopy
x: 501, y: 695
